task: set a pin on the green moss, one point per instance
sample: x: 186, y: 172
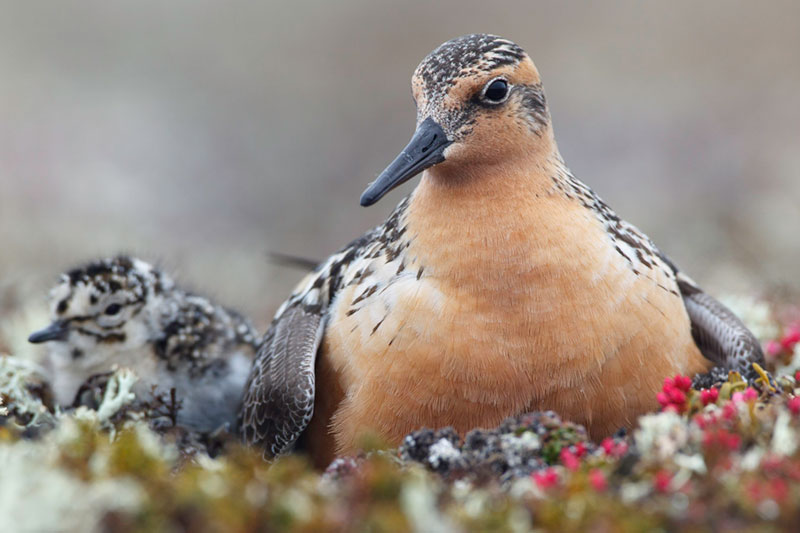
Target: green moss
x: 557, y: 440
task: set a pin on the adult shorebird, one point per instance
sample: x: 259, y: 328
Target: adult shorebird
x: 501, y: 285
x: 123, y: 312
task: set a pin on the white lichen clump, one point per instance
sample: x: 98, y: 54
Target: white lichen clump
x: 756, y: 315
x: 15, y: 375
x: 118, y: 393
x: 661, y: 435
x: 442, y: 451
x: 38, y: 495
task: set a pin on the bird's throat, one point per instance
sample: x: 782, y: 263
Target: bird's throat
x: 485, y: 230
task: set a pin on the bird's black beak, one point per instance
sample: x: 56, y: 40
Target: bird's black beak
x: 425, y: 149
x: 57, y: 331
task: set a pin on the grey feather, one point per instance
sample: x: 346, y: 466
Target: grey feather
x: 720, y: 335
x: 279, y: 396
x: 278, y: 400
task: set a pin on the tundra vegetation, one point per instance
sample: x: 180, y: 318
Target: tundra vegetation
x: 720, y: 454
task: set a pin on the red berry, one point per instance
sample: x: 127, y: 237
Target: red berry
x: 683, y: 383
x: 708, y: 396
x: 677, y: 397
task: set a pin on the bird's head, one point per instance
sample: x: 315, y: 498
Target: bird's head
x: 479, y: 102
x: 99, y: 309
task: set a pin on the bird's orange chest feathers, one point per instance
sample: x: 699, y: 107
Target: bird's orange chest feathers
x: 506, y: 302
x: 502, y: 285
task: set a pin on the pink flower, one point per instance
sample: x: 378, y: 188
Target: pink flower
x: 774, y: 348
x: 597, y: 479
x: 663, y: 399
x: 580, y: 449
x: 546, y: 478
x: 749, y: 395
x: 772, y: 464
x: 721, y: 438
x: 662, y: 480
x: 729, y: 411
x: 708, y: 396
x: 608, y: 445
x: 733, y: 441
x: 794, y: 405
x: 702, y: 421
x: 612, y: 448
x: 780, y: 490
x: 569, y: 459
x: 791, y: 338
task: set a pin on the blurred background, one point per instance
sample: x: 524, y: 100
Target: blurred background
x: 201, y: 134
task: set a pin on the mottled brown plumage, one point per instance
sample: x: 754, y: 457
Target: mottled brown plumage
x: 501, y: 285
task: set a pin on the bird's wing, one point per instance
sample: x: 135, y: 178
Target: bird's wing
x: 279, y: 395
x: 278, y: 400
x: 719, y: 334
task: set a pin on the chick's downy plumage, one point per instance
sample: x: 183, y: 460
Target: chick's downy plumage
x: 501, y: 285
x: 123, y: 312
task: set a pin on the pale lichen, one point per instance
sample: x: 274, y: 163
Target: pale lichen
x: 661, y: 435
x: 756, y: 314
x: 38, y: 494
x: 118, y: 393
x: 16, y: 375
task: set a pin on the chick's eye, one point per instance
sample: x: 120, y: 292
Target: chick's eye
x: 496, y: 91
x: 113, y: 309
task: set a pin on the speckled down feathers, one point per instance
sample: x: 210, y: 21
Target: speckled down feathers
x: 190, y: 331
x: 123, y: 312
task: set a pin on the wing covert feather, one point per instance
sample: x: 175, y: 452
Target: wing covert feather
x: 278, y: 400
x: 279, y: 397
x: 721, y: 336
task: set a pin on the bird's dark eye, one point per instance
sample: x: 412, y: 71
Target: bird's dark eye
x: 496, y: 91
x: 113, y: 309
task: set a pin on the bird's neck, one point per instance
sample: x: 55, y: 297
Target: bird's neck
x: 484, y: 227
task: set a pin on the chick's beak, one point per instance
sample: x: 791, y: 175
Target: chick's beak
x: 425, y: 149
x: 57, y: 331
